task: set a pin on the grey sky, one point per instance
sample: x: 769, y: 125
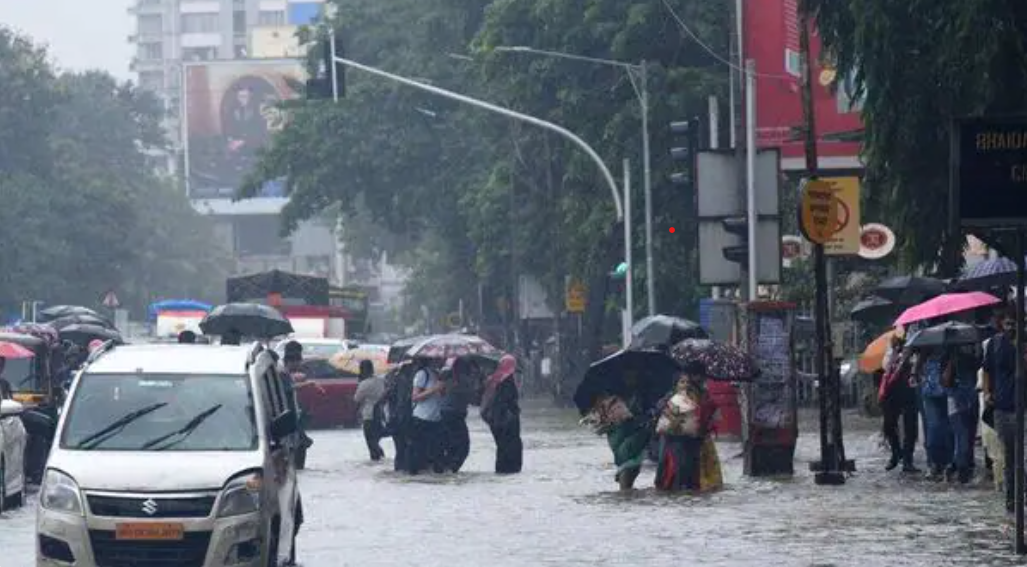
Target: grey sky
x: 81, y: 34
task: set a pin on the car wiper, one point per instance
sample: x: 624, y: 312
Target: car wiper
x: 184, y: 431
x: 96, y: 439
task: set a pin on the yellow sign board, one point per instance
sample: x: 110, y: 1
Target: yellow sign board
x: 830, y: 214
x: 818, y: 211
x: 846, y: 239
x: 576, y: 297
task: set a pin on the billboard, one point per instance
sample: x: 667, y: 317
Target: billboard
x: 231, y: 112
x: 772, y: 40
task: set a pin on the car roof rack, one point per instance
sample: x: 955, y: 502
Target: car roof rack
x: 100, y: 351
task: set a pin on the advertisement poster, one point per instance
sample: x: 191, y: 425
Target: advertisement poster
x: 231, y: 112
x: 772, y: 40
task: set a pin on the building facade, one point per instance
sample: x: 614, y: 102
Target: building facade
x: 174, y: 37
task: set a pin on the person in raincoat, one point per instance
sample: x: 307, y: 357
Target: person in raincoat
x: 501, y: 410
x: 688, y: 458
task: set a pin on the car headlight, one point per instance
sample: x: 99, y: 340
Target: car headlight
x: 60, y: 493
x: 241, y: 495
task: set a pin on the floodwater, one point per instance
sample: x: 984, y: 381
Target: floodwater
x: 564, y: 510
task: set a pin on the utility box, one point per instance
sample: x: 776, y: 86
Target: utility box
x: 770, y: 427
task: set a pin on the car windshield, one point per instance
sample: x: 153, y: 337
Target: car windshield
x: 20, y: 373
x: 156, y: 412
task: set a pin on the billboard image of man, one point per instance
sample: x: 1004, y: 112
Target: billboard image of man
x: 232, y: 111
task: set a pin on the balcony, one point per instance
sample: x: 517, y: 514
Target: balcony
x: 146, y: 7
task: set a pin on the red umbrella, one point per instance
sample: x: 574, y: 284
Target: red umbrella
x: 13, y: 350
x: 946, y: 304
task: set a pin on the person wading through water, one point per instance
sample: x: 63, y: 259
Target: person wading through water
x: 454, y: 436
x: 294, y: 379
x: 399, y: 386
x: 368, y: 396
x: 426, y: 446
x: 501, y: 410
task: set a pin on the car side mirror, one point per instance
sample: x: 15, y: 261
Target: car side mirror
x: 284, y: 425
x: 10, y: 408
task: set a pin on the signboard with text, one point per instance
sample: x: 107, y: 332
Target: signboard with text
x: 990, y: 171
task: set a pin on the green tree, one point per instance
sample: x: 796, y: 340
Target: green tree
x: 84, y: 211
x: 920, y: 63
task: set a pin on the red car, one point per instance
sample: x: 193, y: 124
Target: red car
x: 334, y: 407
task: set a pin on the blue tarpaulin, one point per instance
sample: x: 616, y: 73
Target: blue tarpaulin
x: 177, y: 305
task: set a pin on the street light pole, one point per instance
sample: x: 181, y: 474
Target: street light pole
x: 650, y: 276
x: 640, y: 84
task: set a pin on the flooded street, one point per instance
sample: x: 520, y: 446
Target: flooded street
x: 564, y: 510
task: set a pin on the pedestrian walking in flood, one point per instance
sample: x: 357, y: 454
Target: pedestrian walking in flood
x: 899, y: 405
x: 938, y: 440
x: 426, y: 429
x: 500, y: 409
x: 368, y: 397
x: 455, y: 438
x: 999, y: 377
x: 399, y: 385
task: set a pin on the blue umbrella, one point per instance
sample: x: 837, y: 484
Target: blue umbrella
x: 998, y: 272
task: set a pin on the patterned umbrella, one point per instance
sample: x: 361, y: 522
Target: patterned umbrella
x: 997, y: 272
x: 449, y: 346
x: 39, y: 330
x: 716, y: 361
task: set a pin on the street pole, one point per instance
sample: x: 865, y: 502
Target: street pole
x: 750, y: 173
x: 831, y: 466
x: 629, y: 287
x: 650, y: 271
x: 615, y: 190
x: 331, y: 70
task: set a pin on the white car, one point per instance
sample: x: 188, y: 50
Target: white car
x: 172, y: 455
x: 12, y: 454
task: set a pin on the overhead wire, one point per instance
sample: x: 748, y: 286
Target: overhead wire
x: 712, y: 52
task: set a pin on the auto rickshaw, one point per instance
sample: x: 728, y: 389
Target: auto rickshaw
x: 33, y: 384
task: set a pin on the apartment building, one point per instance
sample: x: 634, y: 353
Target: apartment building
x: 234, y: 41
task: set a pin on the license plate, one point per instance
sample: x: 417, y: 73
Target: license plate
x: 163, y: 531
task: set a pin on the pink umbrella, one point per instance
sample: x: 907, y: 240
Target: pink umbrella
x: 13, y: 350
x: 946, y: 304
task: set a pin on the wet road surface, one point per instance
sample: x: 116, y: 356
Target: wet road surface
x: 564, y: 510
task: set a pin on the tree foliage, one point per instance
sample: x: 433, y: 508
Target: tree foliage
x: 921, y: 63
x: 491, y: 197
x: 83, y: 210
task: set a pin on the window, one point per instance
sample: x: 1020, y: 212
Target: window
x: 150, y: 25
x: 151, y: 51
x: 199, y: 53
x: 201, y: 23
x: 271, y: 18
x: 156, y: 412
x: 271, y: 397
x: 151, y: 80
x: 239, y: 22
x: 257, y: 235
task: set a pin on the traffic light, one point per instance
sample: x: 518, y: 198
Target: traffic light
x: 617, y: 283
x: 739, y: 227
x: 320, y: 87
x: 689, y: 131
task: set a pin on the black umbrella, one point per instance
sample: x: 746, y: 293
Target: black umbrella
x: 910, y: 290
x: 653, y: 373
x: 952, y: 333
x: 664, y: 331
x: 876, y: 310
x: 249, y: 319
x: 83, y: 334
x: 58, y: 311
x: 82, y: 319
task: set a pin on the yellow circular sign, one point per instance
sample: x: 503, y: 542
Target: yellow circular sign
x: 820, y: 212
